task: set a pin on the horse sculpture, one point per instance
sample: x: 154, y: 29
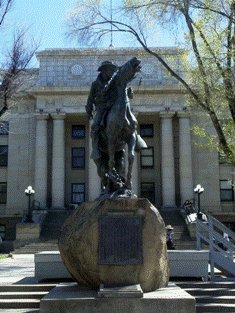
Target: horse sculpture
x: 118, y: 130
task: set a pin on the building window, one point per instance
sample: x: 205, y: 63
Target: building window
x: 3, y: 155
x: 226, y: 190
x: 4, y: 128
x: 78, y: 131
x: 3, y: 231
x: 147, y: 157
x: 146, y: 130
x: 78, y: 193
x: 147, y: 190
x: 78, y: 158
x: 3, y: 193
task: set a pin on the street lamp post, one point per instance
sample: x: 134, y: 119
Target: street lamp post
x: 29, y: 191
x: 199, y: 190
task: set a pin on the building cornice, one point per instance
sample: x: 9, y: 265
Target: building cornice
x: 100, y: 52
x: 158, y: 89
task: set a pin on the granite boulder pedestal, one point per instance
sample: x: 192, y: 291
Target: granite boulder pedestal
x: 116, y: 242
x: 116, y: 252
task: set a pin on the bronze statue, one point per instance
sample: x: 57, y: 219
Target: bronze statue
x: 114, y: 126
x: 101, y: 101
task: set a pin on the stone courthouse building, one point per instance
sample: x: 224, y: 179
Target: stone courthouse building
x: 45, y: 140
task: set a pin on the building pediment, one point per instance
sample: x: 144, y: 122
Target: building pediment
x: 73, y: 70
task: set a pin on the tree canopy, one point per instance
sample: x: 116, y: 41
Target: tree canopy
x: 209, y: 38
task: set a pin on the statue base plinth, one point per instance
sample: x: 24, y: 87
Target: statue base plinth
x: 67, y: 298
x: 132, y: 291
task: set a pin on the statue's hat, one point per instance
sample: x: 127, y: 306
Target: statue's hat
x: 107, y: 64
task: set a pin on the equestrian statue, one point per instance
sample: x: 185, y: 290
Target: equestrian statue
x: 114, y: 126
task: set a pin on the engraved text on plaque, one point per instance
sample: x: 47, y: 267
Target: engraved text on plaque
x: 120, y: 240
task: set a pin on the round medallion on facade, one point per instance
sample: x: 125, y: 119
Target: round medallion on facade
x: 76, y: 69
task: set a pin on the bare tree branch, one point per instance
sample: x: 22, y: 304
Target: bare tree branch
x: 18, y: 58
x: 5, y: 6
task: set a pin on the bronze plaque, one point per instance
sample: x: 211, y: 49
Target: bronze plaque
x: 120, y: 240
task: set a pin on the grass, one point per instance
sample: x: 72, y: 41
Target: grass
x: 4, y: 256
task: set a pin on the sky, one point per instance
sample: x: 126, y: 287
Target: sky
x: 46, y: 22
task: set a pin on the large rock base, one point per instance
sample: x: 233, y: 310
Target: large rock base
x: 70, y: 298
x: 141, y: 258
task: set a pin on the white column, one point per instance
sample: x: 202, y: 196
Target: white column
x: 185, y: 157
x: 58, y: 161
x: 94, y: 183
x: 40, y: 181
x: 167, y: 161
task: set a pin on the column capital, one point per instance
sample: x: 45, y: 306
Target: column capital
x: 58, y: 116
x: 41, y: 116
x: 167, y: 114
x: 183, y: 114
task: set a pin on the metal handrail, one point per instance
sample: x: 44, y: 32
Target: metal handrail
x: 221, y: 249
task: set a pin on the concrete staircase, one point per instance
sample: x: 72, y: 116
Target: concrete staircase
x: 181, y: 238
x: 50, y: 233
x: 32, y: 248
x: 22, y: 298
x: 211, y: 297
x: 52, y: 224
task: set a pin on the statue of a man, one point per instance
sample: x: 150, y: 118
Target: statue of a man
x: 114, y: 125
x: 101, y: 101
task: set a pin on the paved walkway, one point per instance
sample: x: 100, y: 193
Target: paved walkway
x: 17, y: 269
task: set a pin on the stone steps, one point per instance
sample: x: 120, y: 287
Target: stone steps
x: 200, y: 284
x: 216, y: 299
x: 19, y: 297
x: 27, y: 287
x: 181, y: 236
x: 28, y: 250
x: 211, y: 296
x: 211, y: 291
x: 19, y: 303
x: 53, y: 222
x: 215, y: 307
x: 185, y: 245
x: 20, y: 310
x: 36, y: 247
x: 22, y: 294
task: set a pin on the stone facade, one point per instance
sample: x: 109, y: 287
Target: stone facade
x: 41, y: 147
